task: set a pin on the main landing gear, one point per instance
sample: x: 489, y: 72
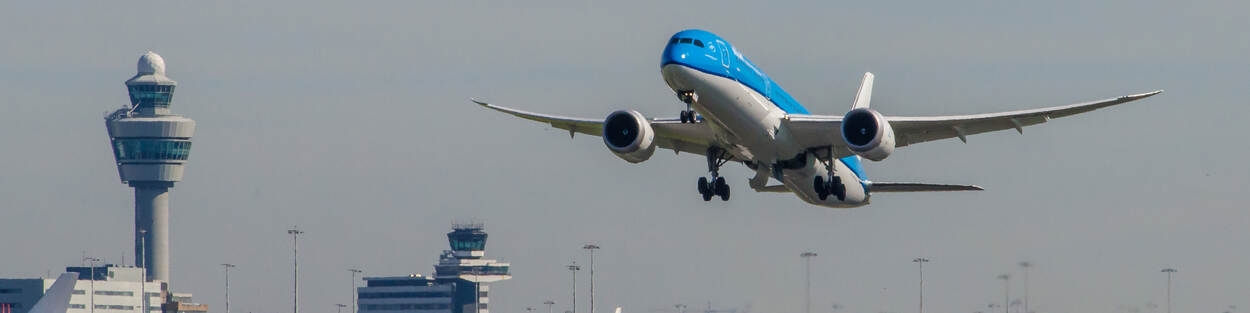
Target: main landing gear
x: 687, y: 97
x: 716, y: 186
x: 832, y: 187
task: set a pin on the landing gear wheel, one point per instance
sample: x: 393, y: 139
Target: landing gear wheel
x: 838, y: 189
x: 714, y: 185
x: 822, y: 190
x: 687, y: 116
x: 722, y: 189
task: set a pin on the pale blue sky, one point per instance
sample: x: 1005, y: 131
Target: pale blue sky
x: 351, y: 120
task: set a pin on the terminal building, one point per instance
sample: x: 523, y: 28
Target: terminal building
x: 106, y: 289
x: 459, y: 283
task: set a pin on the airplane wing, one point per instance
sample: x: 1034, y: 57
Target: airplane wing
x: 670, y: 133
x: 824, y: 130
x: 56, y: 299
x: 911, y: 130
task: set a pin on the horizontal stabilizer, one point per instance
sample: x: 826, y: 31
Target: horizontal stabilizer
x: 919, y: 187
x: 773, y: 188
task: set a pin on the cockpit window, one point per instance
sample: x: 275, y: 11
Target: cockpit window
x: 685, y: 40
x: 698, y: 43
x: 673, y: 41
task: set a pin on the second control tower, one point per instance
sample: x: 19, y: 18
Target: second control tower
x: 150, y: 146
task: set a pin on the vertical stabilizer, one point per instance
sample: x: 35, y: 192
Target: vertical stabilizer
x: 56, y: 299
x: 864, y: 96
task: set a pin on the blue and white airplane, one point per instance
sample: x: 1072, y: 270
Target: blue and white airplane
x: 734, y: 112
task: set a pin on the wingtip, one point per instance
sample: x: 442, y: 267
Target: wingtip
x: 977, y: 188
x: 479, y: 101
x: 1142, y: 95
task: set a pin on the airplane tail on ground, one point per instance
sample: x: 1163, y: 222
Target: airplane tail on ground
x: 56, y: 299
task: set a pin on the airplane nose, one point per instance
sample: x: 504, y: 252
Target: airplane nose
x: 675, y: 54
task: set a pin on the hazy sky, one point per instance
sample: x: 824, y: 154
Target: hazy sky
x: 351, y: 120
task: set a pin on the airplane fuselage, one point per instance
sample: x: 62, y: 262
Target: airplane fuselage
x: 747, y: 111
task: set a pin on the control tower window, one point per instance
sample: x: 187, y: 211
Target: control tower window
x: 465, y: 245
x: 698, y: 43
x: 151, y: 149
x: 151, y: 95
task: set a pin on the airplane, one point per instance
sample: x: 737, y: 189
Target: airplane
x: 736, y: 113
x: 56, y: 299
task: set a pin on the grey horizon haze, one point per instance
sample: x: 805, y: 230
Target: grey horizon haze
x: 352, y: 121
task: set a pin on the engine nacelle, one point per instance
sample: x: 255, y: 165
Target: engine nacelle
x: 629, y: 135
x: 868, y: 134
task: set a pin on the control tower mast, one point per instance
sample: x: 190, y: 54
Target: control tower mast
x: 150, y: 146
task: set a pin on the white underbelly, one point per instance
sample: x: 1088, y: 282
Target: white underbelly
x: 751, y: 119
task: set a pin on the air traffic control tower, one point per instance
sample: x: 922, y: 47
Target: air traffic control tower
x: 151, y: 146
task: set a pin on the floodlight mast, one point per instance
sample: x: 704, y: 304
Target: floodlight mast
x: 921, y: 262
x: 592, y: 248
x: 807, y: 260
x: 1169, y: 271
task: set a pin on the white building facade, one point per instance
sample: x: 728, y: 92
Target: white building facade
x: 112, y: 289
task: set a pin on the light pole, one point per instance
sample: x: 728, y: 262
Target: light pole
x: 549, y: 303
x: 227, y: 266
x: 92, y: 260
x: 354, y: 272
x: 1006, y: 292
x: 295, y: 232
x: 592, y: 248
x: 340, y: 307
x: 807, y: 260
x: 573, y: 268
x: 1169, y: 271
x: 921, y: 262
x: 681, y: 308
x: 143, y: 271
x: 1024, y: 266
x: 477, y: 289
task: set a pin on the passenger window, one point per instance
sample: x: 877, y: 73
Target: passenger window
x: 685, y: 40
x: 698, y: 43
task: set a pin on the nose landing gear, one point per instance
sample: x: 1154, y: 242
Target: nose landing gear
x: 716, y: 186
x: 687, y: 97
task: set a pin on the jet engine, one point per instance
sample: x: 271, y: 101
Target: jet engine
x: 629, y: 135
x: 868, y: 134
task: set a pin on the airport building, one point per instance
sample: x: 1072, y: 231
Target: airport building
x: 150, y: 146
x: 459, y: 284
x: 102, y: 289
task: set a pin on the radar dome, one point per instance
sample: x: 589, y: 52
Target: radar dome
x: 151, y: 63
